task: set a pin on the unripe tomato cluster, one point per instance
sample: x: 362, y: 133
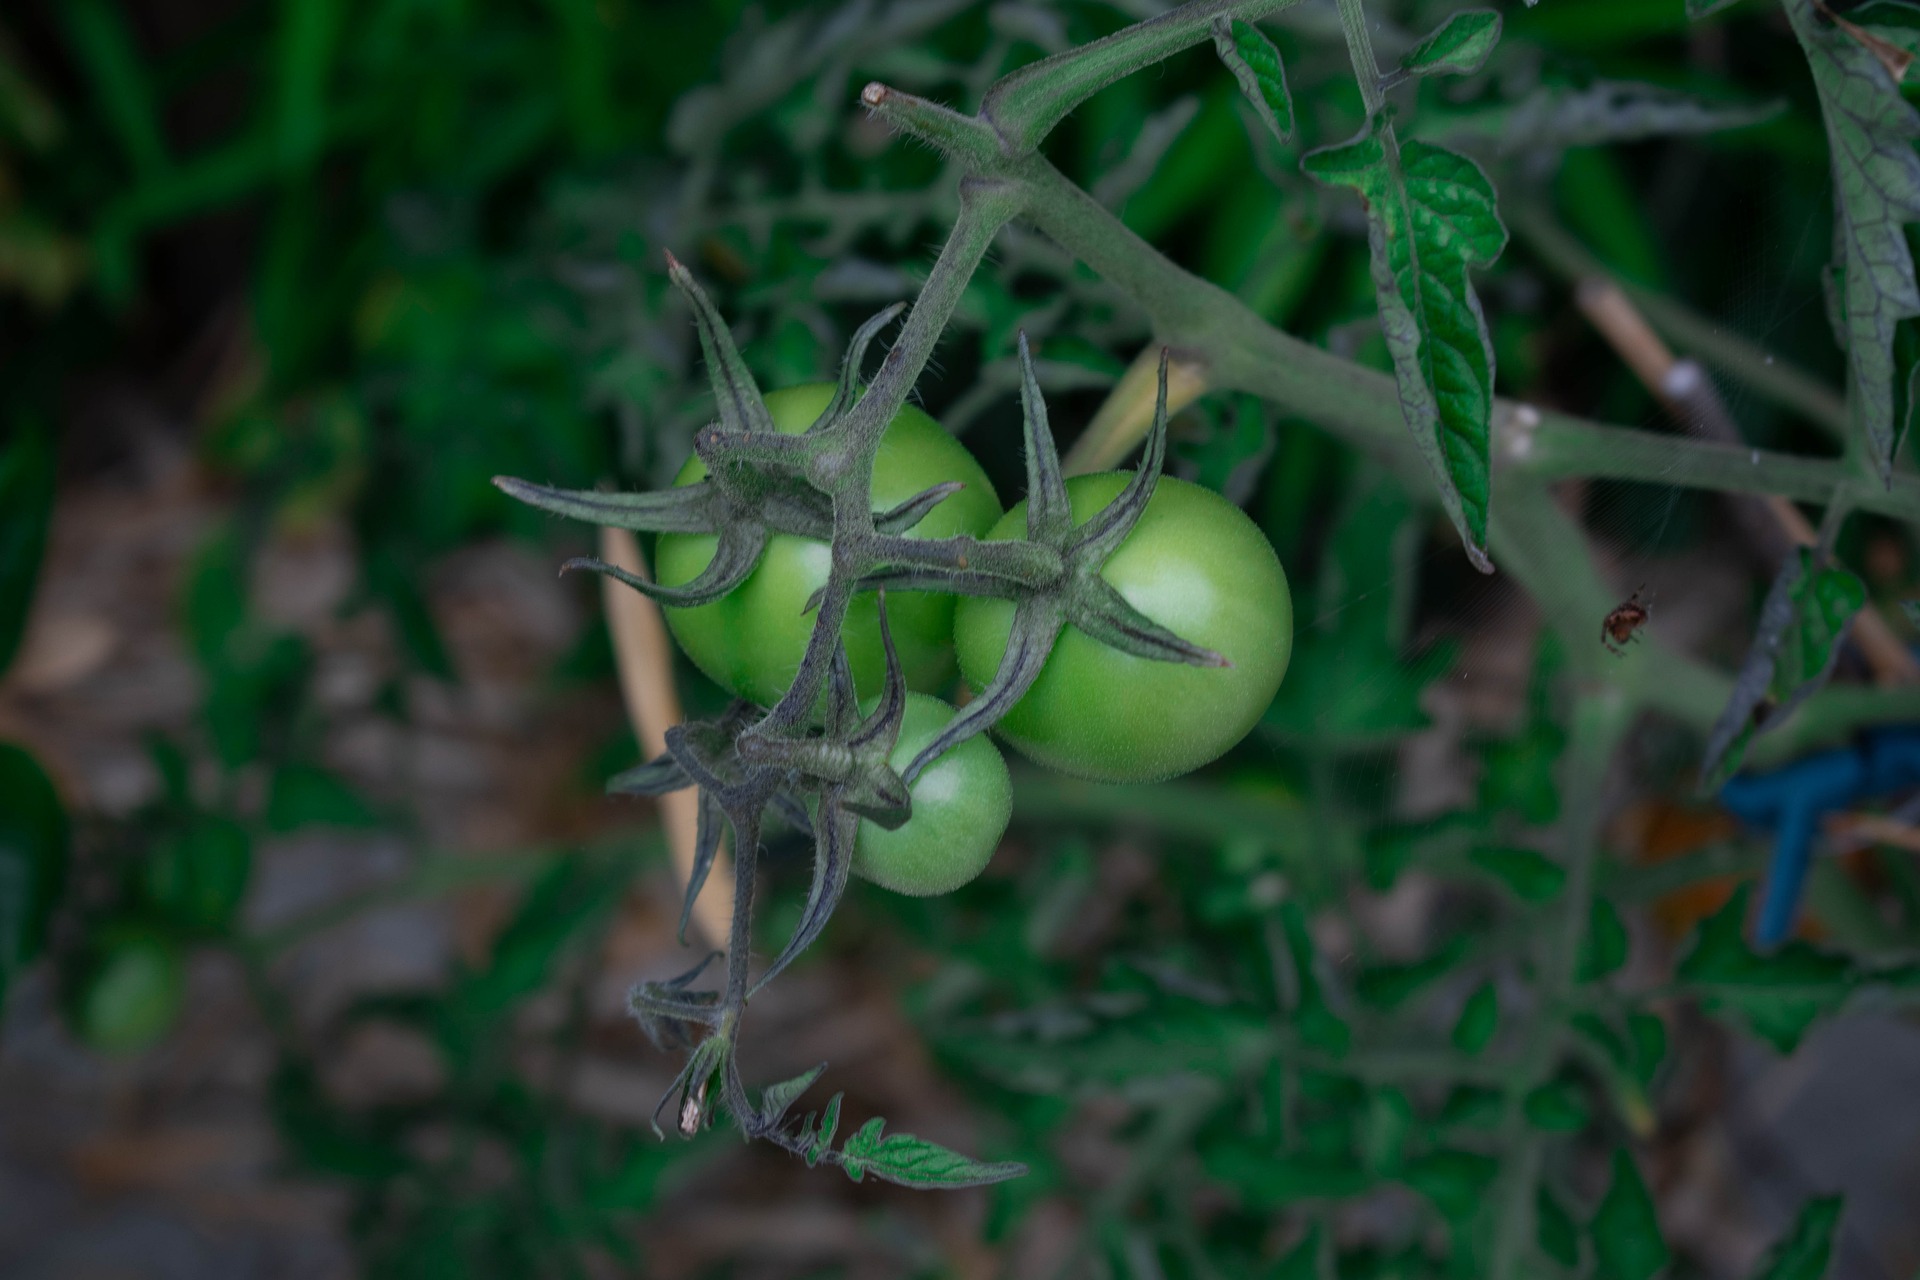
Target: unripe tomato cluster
x: 1194, y: 564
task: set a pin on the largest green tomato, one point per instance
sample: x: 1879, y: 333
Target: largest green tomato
x: 1196, y: 565
x: 751, y: 640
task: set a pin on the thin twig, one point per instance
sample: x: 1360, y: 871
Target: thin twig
x: 644, y: 658
x: 1689, y: 395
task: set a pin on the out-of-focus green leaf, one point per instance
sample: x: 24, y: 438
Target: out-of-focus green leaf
x: 33, y: 858
x: 1459, y: 46
x: 1308, y: 1260
x: 1805, y: 1252
x: 1604, y: 948
x: 198, y: 875
x: 1479, y: 1019
x: 107, y: 53
x: 26, y: 506
x: 1871, y: 131
x: 1386, y: 986
x: 1559, y: 1106
x: 1554, y: 1227
x: 306, y: 795
x: 1801, y: 624
x: 1456, y: 1182
x: 1256, y: 66
x: 1626, y: 1231
x: 1431, y: 215
x: 1528, y: 874
x: 1315, y: 1019
x: 1777, y: 995
x: 1348, y: 685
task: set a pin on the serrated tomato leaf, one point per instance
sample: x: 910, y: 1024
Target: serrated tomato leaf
x: 1804, y: 1252
x: 1459, y: 46
x: 1257, y: 68
x: 1626, y: 1232
x: 1871, y: 131
x: 908, y: 1161
x: 1806, y: 612
x: 1431, y: 214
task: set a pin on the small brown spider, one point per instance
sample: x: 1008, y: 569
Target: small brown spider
x: 1622, y: 626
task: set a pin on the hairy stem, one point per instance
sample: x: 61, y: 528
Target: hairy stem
x: 1366, y: 69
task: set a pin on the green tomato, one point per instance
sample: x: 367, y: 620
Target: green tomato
x: 961, y: 805
x: 130, y: 989
x: 751, y: 640
x: 1196, y: 565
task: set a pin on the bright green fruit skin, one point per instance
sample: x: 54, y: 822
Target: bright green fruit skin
x: 1196, y: 565
x: 751, y: 640
x: 130, y: 991
x: 961, y: 806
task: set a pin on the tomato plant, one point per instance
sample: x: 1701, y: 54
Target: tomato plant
x: 751, y: 640
x: 961, y: 805
x: 1195, y: 564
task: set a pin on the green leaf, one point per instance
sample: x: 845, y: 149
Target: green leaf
x: 1431, y: 215
x: 1871, y: 131
x: 1479, y: 1019
x: 1647, y: 1035
x: 1626, y: 1231
x: 1308, y: 1260
x: 1604, y: 948
x: 306, y: 795
x: 775, y: 1099
x: 820, y: 1139
x: 26, y: 506
x: 1316, y: 1021
x: 1456, y: 1182
x: 1459, y: 46
x: 1698, y: 9
x: 1805, y: 1251
x: 1386, y: 986
x: 914, y: 1162
x: 1256, y: 66
x: 33, y: 858
x: 1350, y: 685
x: 1529, y: 875
x: 1559, y: 1106
x: 1801, y: 624
x: 1777, y: 995
x: 198, y: 875
x: 1554, y: 1228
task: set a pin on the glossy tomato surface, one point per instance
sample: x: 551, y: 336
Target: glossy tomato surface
x: 961, y: 806
x: 1196, y: 565
x: 751, y: 641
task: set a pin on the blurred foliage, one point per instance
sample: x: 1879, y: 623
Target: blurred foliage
x: 445, y: 223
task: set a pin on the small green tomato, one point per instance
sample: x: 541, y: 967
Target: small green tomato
x: 961, y: 805
x: 751, y: 640
x: 1196, y: 565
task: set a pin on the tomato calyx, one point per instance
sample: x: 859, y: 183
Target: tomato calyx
x: 1075, y: 593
